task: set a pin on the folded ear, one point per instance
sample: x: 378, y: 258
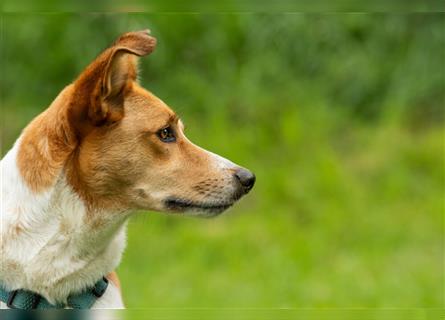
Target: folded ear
x: 122, y: 65
x: 100, y: 89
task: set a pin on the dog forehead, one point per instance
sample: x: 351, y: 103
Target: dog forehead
x: 144, y: 107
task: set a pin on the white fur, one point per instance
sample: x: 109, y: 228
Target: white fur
x: 45, y: 243
x: 221, y: 163
x: 218, y: 162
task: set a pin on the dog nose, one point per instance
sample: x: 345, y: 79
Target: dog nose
x: 245, y: 178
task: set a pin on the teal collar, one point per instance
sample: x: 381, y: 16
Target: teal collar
x: 24, y: 299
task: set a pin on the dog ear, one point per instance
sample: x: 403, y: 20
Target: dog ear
x: 122, y: 63
x: 99, y: 91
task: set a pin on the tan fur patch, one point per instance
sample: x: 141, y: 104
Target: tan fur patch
x: 114, y: 278
x: 45, y: 145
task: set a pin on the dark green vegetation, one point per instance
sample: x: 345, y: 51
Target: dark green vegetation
x: 341, y: 117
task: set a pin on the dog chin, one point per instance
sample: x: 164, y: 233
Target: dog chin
x: 199, y: 209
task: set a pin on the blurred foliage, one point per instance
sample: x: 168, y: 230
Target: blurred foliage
x: 225, y: 6
x: 341, y: 117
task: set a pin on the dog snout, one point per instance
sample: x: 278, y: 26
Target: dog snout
x: 245, y: 178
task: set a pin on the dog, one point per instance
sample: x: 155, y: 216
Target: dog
x: 104, y: 148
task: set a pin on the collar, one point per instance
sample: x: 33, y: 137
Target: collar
x: 24, y: 299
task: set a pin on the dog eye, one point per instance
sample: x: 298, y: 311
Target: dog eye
x: 166, y: 135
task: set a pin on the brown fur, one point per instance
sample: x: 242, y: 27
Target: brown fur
x: 114, y: 279
x: 101, y: 130
x: 46, y: 143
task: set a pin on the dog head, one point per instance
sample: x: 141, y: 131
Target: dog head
x: 132, y: 151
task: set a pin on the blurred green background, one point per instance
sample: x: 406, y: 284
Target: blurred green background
x: 341, y: 117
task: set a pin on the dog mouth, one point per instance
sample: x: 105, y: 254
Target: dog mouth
x: 210, y: 208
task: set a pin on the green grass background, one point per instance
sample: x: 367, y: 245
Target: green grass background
x: 340, y: 116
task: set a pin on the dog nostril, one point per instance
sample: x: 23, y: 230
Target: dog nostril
x: 246, y: 178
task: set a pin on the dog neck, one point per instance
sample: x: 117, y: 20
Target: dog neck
x: 50, y: 241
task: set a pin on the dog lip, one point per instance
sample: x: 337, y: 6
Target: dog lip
x: 180, y: 205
